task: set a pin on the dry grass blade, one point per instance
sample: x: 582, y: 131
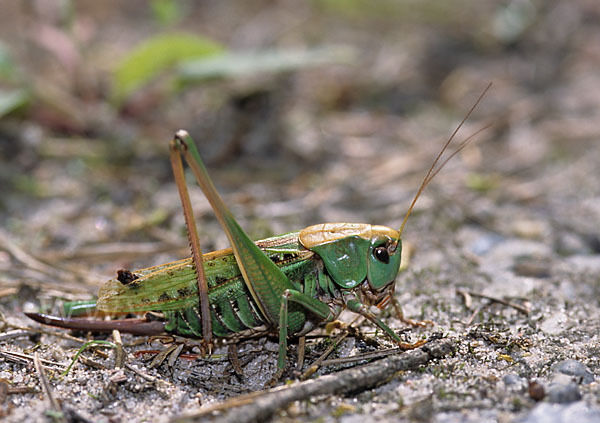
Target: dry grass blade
x: 518, y: 307
x: 162, y: 356
x: 174, y: 355
x: 466, y: 298
x: 474, y: 314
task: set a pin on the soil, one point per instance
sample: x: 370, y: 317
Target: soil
x: 502, y: 250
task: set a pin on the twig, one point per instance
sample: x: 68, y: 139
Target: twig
x: 8, y: 291
x: 140, y: 373
x: 260, y: 406
x: 26, y: 359
x: 360, y: 357
x: 92, y: 363
x: 46, y: 388
x: 6, y: 389
x: 11, y: 247
x: 18, y: 333
x: 3, y: 391
x: 159, y: 382
x: 301, y: 351
x: 119, y: 354
x: 475, y: 313
x: 315, y: 366
x: 7, y: 244
x: 517, y: 307
x: 21, y: 390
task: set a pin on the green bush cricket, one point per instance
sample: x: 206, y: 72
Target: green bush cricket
x: 285, y: 285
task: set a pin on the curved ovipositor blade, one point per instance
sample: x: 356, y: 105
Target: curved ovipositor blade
x: 140, y: 327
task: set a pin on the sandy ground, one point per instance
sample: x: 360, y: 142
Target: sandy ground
x: 504, y: 244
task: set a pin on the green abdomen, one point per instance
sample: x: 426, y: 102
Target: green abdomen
x: 172, y: 289
x: 233, y: 310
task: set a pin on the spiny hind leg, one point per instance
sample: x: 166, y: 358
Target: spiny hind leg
x: 232, y: 355
x: 177, y: 148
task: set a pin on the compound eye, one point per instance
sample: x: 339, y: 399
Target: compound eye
x: 381, y: 254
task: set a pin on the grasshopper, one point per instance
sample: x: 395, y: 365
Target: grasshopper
x: 284, y: 285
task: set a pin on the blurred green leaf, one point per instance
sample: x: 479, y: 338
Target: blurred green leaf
x: 7, y: 66
x: 166, y: 12
x: 405, y: 11
x: 270, y: 61
x: 358, y: 8
x: 28, y: 184
x: 155, y: 56
x: 482, y: 183
x: 12, y: 100
x: 513, y: 19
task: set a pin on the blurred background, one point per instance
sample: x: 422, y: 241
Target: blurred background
x: 325, y: 110
x: 309, y: 112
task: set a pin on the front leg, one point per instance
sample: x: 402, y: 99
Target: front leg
x: 359, y: 308
x: 400, y: 315
x: 309, y: 303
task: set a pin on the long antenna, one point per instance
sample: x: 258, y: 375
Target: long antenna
x: 433, y: 170
x: 460, y: 148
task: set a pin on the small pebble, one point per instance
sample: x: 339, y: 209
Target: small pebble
x: 576, y: 369
x: 569, y: 243
x: 512, y: 379
x: 556, y: 323
x: 563, y: 393
x: 536, y: 390
x: 531, y: 266
x: 530, y: 229
x: 483, y: 244
x: 561, y: 413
